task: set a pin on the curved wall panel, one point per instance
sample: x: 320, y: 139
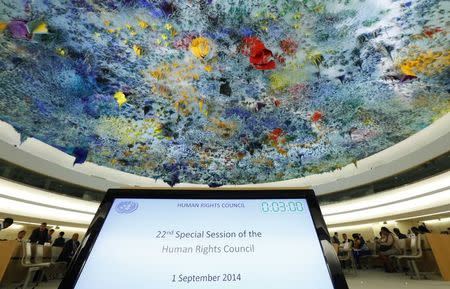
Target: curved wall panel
x: 428, y: 196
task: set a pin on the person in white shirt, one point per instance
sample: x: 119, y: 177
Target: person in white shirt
x: 388, y: 246
x: 347, y: 244
x: 21, y: 236
x: 50, y: 233
x: 335, y: 239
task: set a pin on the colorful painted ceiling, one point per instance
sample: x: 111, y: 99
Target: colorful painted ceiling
x: 223, y: 91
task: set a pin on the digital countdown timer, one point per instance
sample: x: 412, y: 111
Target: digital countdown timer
x: 281, y: 207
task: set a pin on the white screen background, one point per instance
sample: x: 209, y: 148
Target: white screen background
x: 127, y: 253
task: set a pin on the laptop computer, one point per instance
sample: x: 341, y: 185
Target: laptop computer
x: 199, y: 239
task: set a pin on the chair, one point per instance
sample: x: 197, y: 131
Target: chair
x: 403, y: 252
x: 416, y: 253
x: 38, y: 254
x: 27, y: 263
x: 58, y: 267
x: 373, y: 248
x: 56, y: 251
x: 348, y: 256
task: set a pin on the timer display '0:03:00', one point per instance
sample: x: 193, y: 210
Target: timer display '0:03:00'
x: 281, y: 207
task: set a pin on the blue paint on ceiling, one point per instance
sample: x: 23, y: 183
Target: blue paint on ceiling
x: 221, y: 91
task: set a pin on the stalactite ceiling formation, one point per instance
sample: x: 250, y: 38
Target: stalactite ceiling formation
x: 223, y: 91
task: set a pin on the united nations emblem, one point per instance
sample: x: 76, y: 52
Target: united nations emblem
x: 126, y: 207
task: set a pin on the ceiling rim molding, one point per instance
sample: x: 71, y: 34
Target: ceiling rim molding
x: 25, y: 202
x: 15, y: 191
x: 425, y: 145
x: 429, y: 196
x: 419, y: 189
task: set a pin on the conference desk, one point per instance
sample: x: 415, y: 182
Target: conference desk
x: 435, y: 253
x: 11, y: 269
x: 440, y: 246
x: 7, y: 250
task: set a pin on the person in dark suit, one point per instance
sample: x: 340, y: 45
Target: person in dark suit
x: 69, y: 249
x: 335, y: 239
x: 40, y: 235
x: 423, y: 229
x: 399, y: 234
x: 60, y: 241
x: 6, y: 223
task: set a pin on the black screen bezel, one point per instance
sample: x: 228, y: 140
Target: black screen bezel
x: 80, y: 258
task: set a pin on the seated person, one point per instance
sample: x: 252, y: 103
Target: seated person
x: 359, y: 249
x: 50, y: 233
x: 347, y: 244
x: 40, y: 235
x: 388, y: 247
x: 21, y: 236
x: 335, y: 239
x: 423, y: 229
x: 60, y: 241
x: 6, y: 223
x: 399, y: 234
x: 70, y: 247
x: 415, y: 231
x: 345, y: 247
x: 409, y: 234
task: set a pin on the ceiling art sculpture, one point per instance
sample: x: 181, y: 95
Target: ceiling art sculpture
x: 223, y: 91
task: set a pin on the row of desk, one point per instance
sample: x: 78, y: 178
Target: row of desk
x: 440, y: 246
x: 11, y: 270
x: 436, y: 255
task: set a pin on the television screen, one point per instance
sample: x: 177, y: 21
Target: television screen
x: 206, y: 243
